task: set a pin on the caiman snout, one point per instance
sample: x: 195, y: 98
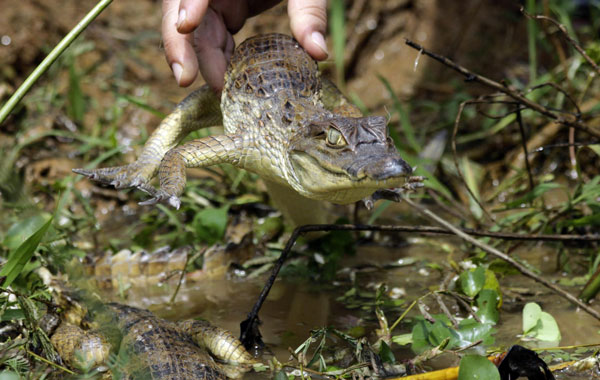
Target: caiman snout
x: 388, y: 167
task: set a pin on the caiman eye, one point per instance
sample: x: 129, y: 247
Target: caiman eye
x: 335, y: 138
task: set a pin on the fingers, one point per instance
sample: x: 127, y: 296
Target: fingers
x: 190, y: 14
x: 178, y: 47
x: 308, y: 20
x: 214, y: 45
x: 233, y: 13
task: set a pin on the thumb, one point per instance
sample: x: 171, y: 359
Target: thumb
x: 308, y: 20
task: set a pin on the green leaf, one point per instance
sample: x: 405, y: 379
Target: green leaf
x: 210, y: 223
x: 21, y: 256
x: 12, y: 315
x: 537, y: 192
x: 488, y: 301
x: 531, y: 316
x: 472, y: 174
x: 405, y: 123
x: 76, y: 105
x: 402, y: 339
x: 477, y: 367
x: 548, y: 331
x: 540, y: 325
x: 588, y: 220
x: 19, y: 232
x: 386, y: 353
x: 472, y: 281
x: 280, y: 376
x: 470, y: 331
x: 9, y: 375
x: 439, y: 332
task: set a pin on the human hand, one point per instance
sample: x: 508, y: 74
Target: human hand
x: 198, y: 34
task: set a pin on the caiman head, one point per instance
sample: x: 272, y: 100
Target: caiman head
x: 345, y: 159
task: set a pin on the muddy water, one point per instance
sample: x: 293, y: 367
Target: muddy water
x: 295, y: 307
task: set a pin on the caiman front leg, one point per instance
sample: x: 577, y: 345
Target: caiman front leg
x: 200, y: 109
x: 203, y: 152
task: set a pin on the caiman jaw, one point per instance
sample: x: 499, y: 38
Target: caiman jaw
x: 380, y: 169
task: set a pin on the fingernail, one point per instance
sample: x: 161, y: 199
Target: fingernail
x: 320, y: 41
x: 181, y: 18
x: 177, y: 71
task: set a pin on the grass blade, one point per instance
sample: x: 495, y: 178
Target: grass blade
x: 21, y: 256
x: 53, y: 56
x: 337, y: 28
x: 405, y: 123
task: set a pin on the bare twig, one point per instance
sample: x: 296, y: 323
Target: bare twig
x: 444, y: 309
x: 562, y: 91
x: 513, y: 93
x: 464, y: 304
x: 524, y: 144
x: 565, y: 33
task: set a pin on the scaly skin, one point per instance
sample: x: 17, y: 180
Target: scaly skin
x: 153, y: 348
x: 283, y: 122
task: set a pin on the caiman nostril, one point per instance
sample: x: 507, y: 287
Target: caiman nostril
x: 389, y: 168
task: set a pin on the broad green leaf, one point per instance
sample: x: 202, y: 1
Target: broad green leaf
x: 472, y: 281
x: 210, y: 223
x: 548, y: 331
x: 487, y: 303
x: 540, y: 325
x: 595, y: 148
x: 402, y: 339
x: 477, y: 367
x: 19, y: 232
x: 491, y: 283
x: 21, y: 256
x: 471, y: 331
x: 386, y: 353
x: 280, y: 376
x: 440, y: 332
x: 531, y: 316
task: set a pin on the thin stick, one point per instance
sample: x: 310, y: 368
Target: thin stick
x: 471, y: 76
x: 493, y: 251
x: 563, y: 30
x: 50, y: 58
x: 172, y: 300
x: 524, y: 145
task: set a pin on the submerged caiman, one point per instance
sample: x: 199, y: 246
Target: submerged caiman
x: 147, y: 347
x: 282, y: 121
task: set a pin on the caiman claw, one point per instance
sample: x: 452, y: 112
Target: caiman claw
x: 135, y: 174
x: 395, y: 195
x: 161, y: 196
